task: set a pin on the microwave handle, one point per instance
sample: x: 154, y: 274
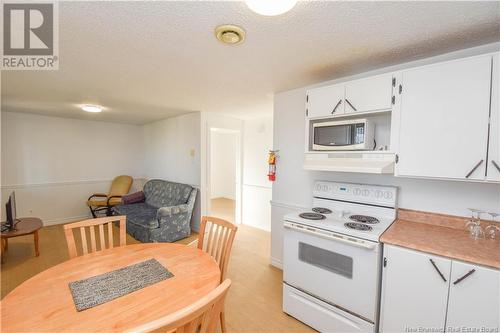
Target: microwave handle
x: 328, y: 235
x: 336, y: 106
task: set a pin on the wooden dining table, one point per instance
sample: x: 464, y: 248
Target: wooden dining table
x: 44, y: 302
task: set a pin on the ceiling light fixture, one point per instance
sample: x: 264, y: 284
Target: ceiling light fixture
x: 91, y: 108
x: 230, y: 34
x: 270, y: 7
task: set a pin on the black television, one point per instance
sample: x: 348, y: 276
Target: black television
x: 10, y: 211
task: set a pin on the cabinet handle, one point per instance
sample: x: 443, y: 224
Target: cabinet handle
x: 496, y: 165
x: 350, y: 104
x: 464, y: 277
x: 474, y: 169
x: 336, y: 106
x: 437, y: 269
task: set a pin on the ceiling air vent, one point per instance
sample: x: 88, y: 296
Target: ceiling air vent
x: 230, y: 34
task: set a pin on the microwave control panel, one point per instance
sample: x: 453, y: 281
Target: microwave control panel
x: 359, y: 193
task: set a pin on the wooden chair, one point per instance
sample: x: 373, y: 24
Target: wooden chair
x: 91, y: 224
x: 199, y: 317
x: 216, y: 238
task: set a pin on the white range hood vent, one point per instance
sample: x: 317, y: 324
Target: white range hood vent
x: 364, y: 162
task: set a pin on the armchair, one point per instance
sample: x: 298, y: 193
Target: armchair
x: 99, y: 202
x: 164, y: 215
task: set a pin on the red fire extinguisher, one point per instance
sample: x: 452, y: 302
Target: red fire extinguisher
x: 272, y: 165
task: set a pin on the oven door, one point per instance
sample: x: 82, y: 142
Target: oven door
x: 335, y: 268
x: 339, y: 135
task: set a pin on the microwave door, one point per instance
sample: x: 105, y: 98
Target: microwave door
x: 333, y: 136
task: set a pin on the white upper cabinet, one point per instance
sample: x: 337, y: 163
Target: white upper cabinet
x: 365, y: 95
x: 474, y: 299
x: 493, y: 166
x: 370, y: 94
x: 415, y: 289
x: 444, y: 118
x: 325, y: 101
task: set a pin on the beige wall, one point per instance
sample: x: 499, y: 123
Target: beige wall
x: 172, y: 152
x: 54, y: 163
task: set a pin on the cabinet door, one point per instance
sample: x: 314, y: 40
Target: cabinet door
x: 474, y: 297
x: 370, y: 94
x: 325, y: 101
x: 493, y: 173
x: 443, y: 129
x: 414, y: 293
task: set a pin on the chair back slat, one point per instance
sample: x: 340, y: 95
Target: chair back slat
x: 101, y: 236
x: 92, y: 239
x: 91, y: 225
x: 202, y: 316
x: 83, y: 234
x: 110, y: 234
x: 220, y: 245
x: 70, y: 239
x: 216, y: 238
x: 123, y: 232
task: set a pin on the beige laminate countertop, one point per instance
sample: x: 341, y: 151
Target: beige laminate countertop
x: 442, y: 240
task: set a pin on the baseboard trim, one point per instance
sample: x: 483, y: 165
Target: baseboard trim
x: 277, y: 263
x: 63, y: 220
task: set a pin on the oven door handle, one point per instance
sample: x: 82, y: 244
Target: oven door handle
x: 330, y: 235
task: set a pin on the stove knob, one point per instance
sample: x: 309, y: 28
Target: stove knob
x: 379, y: 194
x: 388, y: 195
x: 357, y: 191
x: 366, y: 193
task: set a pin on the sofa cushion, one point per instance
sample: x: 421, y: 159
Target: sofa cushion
x: 160, y: 193
x: 140, y: 214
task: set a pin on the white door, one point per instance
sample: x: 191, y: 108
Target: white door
x: 443, y: 129
x: 415, y: 290
x: 494, y: 148
x: 474, y: 300
x: 325, y: 101
x: 370, y: 94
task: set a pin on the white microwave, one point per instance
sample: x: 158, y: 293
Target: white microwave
x: 353, y: 134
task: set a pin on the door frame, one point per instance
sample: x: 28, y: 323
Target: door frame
x: 239, y: 170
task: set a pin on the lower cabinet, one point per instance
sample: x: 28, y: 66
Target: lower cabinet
x: 427, y: 293
x: 474, y: 299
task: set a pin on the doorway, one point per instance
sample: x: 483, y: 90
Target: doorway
x: 224, y: 173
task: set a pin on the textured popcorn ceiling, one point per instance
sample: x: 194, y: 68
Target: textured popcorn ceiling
x: 149, y: 60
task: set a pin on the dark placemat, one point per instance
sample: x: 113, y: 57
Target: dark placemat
x: 106, y: 287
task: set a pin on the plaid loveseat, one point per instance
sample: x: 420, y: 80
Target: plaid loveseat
x: 164, y: 215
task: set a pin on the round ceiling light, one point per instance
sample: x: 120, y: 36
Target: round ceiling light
x: 270, y: 7
x: 230, y: 34
x: 91, y: 108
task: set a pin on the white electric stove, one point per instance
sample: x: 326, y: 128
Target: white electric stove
x: 332, y: 256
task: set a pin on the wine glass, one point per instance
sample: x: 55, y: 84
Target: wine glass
x: 491, y: 230
x: 474, y: 225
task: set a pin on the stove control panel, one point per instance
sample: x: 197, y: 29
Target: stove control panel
x: 358, y: 193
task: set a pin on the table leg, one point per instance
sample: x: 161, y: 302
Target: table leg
x: 2, y: 248
x: 6, y: 244
x: 35, y: 236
